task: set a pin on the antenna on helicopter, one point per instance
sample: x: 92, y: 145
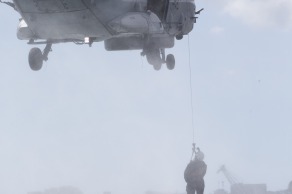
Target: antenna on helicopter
x: 198, y: 12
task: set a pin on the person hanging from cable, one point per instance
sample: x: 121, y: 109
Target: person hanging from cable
x: 289, y: 190
x: 195, y: 172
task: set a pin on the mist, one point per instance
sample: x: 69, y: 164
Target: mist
x: 98, y: 122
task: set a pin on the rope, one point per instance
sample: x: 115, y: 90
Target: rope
x: 191, y: 89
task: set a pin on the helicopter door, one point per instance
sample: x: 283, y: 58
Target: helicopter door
x: 159, y: 7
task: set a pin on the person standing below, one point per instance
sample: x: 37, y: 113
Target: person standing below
x: 194, y: 174
x: 290, y: 188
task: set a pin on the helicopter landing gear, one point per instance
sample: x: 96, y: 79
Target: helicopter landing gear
x: 179, y: 37
x: 36, y: 57
x: 170, y: 61
x: 153, y: 58
x: 156, y: 57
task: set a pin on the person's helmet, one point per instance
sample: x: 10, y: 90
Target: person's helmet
x: 199, y: 156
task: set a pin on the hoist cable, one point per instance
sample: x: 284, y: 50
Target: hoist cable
x: 191, y: 89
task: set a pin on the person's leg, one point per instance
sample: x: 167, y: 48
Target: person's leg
x: 190, y: 189
x: 200, y: 186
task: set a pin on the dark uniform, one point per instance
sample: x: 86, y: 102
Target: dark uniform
x: 194, y: 176
x: 290, y: 187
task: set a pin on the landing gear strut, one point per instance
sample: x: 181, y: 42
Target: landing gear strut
x: 156, y: 57
x: 36, y: 57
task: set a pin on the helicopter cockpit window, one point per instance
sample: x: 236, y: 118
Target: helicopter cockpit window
x: 159, y: 7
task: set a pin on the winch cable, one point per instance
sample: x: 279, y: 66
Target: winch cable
x: 191, y: 96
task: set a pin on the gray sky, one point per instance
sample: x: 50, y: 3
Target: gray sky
x: 106, y: 121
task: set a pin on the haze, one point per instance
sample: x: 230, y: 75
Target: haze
x: 107, y: 122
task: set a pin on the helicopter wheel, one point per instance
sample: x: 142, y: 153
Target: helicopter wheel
x: 154, y: 58
x: 170, y: 61
x: 179, y: 37
x: 35, y: 59
x: 157, y: 67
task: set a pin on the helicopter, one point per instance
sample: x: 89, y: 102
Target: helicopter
x: 147, y: 25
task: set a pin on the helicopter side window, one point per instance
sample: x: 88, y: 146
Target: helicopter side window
x: 158, y: 7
